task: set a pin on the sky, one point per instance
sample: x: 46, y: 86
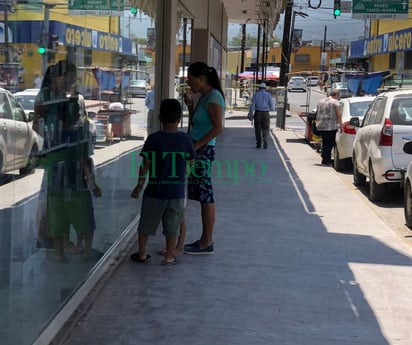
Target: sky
x: 313, y: 25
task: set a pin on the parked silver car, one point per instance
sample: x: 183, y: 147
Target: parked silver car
x: 138, y: 88
x: 378, y: 146
x: 342, y: 87
x: 19, y: 143
x: 312, y: 81
x: 27, y: 99
x: 297, y: 83
x: 407, y: 185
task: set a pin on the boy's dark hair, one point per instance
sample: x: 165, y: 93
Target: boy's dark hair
x: 170, y: 111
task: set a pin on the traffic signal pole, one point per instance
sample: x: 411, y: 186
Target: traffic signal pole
x: 336, y: 8
x: 45, y: 38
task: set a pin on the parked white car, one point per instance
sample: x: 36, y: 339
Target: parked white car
x: 351, y: 107
x: 19, y: 143
x: 312, y: 81
x: 297, y: 83
x: 378, y: 146
x: 27, y: 99
x: 407, y: 185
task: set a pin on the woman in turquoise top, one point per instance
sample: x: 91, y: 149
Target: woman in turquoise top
x: 205, y: 125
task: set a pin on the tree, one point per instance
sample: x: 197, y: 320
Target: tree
x: 251, y: 41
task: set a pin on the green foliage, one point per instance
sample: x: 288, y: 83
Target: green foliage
x: 251, y: 41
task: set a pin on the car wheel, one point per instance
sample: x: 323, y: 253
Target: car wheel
x: 407, y: 204
x: 338, y: 164
x: 31, y: 163
x: 376, y: 191
x: 358, y: 178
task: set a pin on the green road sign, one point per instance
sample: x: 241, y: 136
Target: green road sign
x: 96, y: 7
x: 380, y: 9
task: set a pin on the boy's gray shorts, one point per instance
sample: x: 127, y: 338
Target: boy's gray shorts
x: 154, y: 210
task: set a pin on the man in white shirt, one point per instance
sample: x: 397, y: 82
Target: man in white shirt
x: 149, y: 102
x: 262, y: 103
x: 37, y: 81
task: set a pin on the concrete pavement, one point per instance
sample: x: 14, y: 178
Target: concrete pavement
x: 299, y: 259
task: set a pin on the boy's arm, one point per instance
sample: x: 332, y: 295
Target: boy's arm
x: 144, y: 168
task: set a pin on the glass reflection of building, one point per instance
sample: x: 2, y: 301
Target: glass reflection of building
x: 107, y: 53
x: 34, y: 283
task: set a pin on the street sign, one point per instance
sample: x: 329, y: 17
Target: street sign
x: 96, y: 7
x: 380, y: 9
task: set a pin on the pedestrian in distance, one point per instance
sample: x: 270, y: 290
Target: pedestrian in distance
x: 328, y: 121
x: 262, y: 103
x: 164, y: 161
x: 149, y: 102
x: 205, y: 123
x: 37, y: 81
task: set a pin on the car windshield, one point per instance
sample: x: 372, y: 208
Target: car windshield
x: 141, y: 83
x: 359, y: 109
x: 27, y: 102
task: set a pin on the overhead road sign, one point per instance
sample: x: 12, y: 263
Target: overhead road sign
x: 380, y: 9
x: 96, y: 7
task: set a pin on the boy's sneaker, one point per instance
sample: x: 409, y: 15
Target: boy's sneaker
x: 196, y: 250
x: 191, y: 245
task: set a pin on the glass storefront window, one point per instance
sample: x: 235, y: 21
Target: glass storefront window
x: 69, y: 157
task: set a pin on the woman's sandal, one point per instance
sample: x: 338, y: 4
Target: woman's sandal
x: 136, y: 258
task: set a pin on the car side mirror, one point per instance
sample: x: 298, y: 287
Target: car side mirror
x: 354, y: 121
x: 31, y: 116
x: 407, y: 147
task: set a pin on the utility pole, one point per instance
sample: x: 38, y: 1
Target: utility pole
x: 242, y: 57
x: 282, y: 100
x: 242, y: 49
x: 257, y: 55
x: 6, y: 34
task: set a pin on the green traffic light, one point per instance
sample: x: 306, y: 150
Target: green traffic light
x: 133, y: 10
x: 41, y: 50
x: 336, y: 12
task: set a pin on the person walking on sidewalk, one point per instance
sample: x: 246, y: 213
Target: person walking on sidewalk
x: 149, y: 102
x: 328, y: 120
x: 262, y: 103
x: 164, y: 156
x: 206, y: 125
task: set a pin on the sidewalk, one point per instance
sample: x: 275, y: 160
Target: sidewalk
x: 299, y: 260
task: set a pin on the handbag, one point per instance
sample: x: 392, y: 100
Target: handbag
x: 314, y: 128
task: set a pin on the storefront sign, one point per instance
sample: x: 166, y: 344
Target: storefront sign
x: 91, y: 39
x: 382, y: 44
